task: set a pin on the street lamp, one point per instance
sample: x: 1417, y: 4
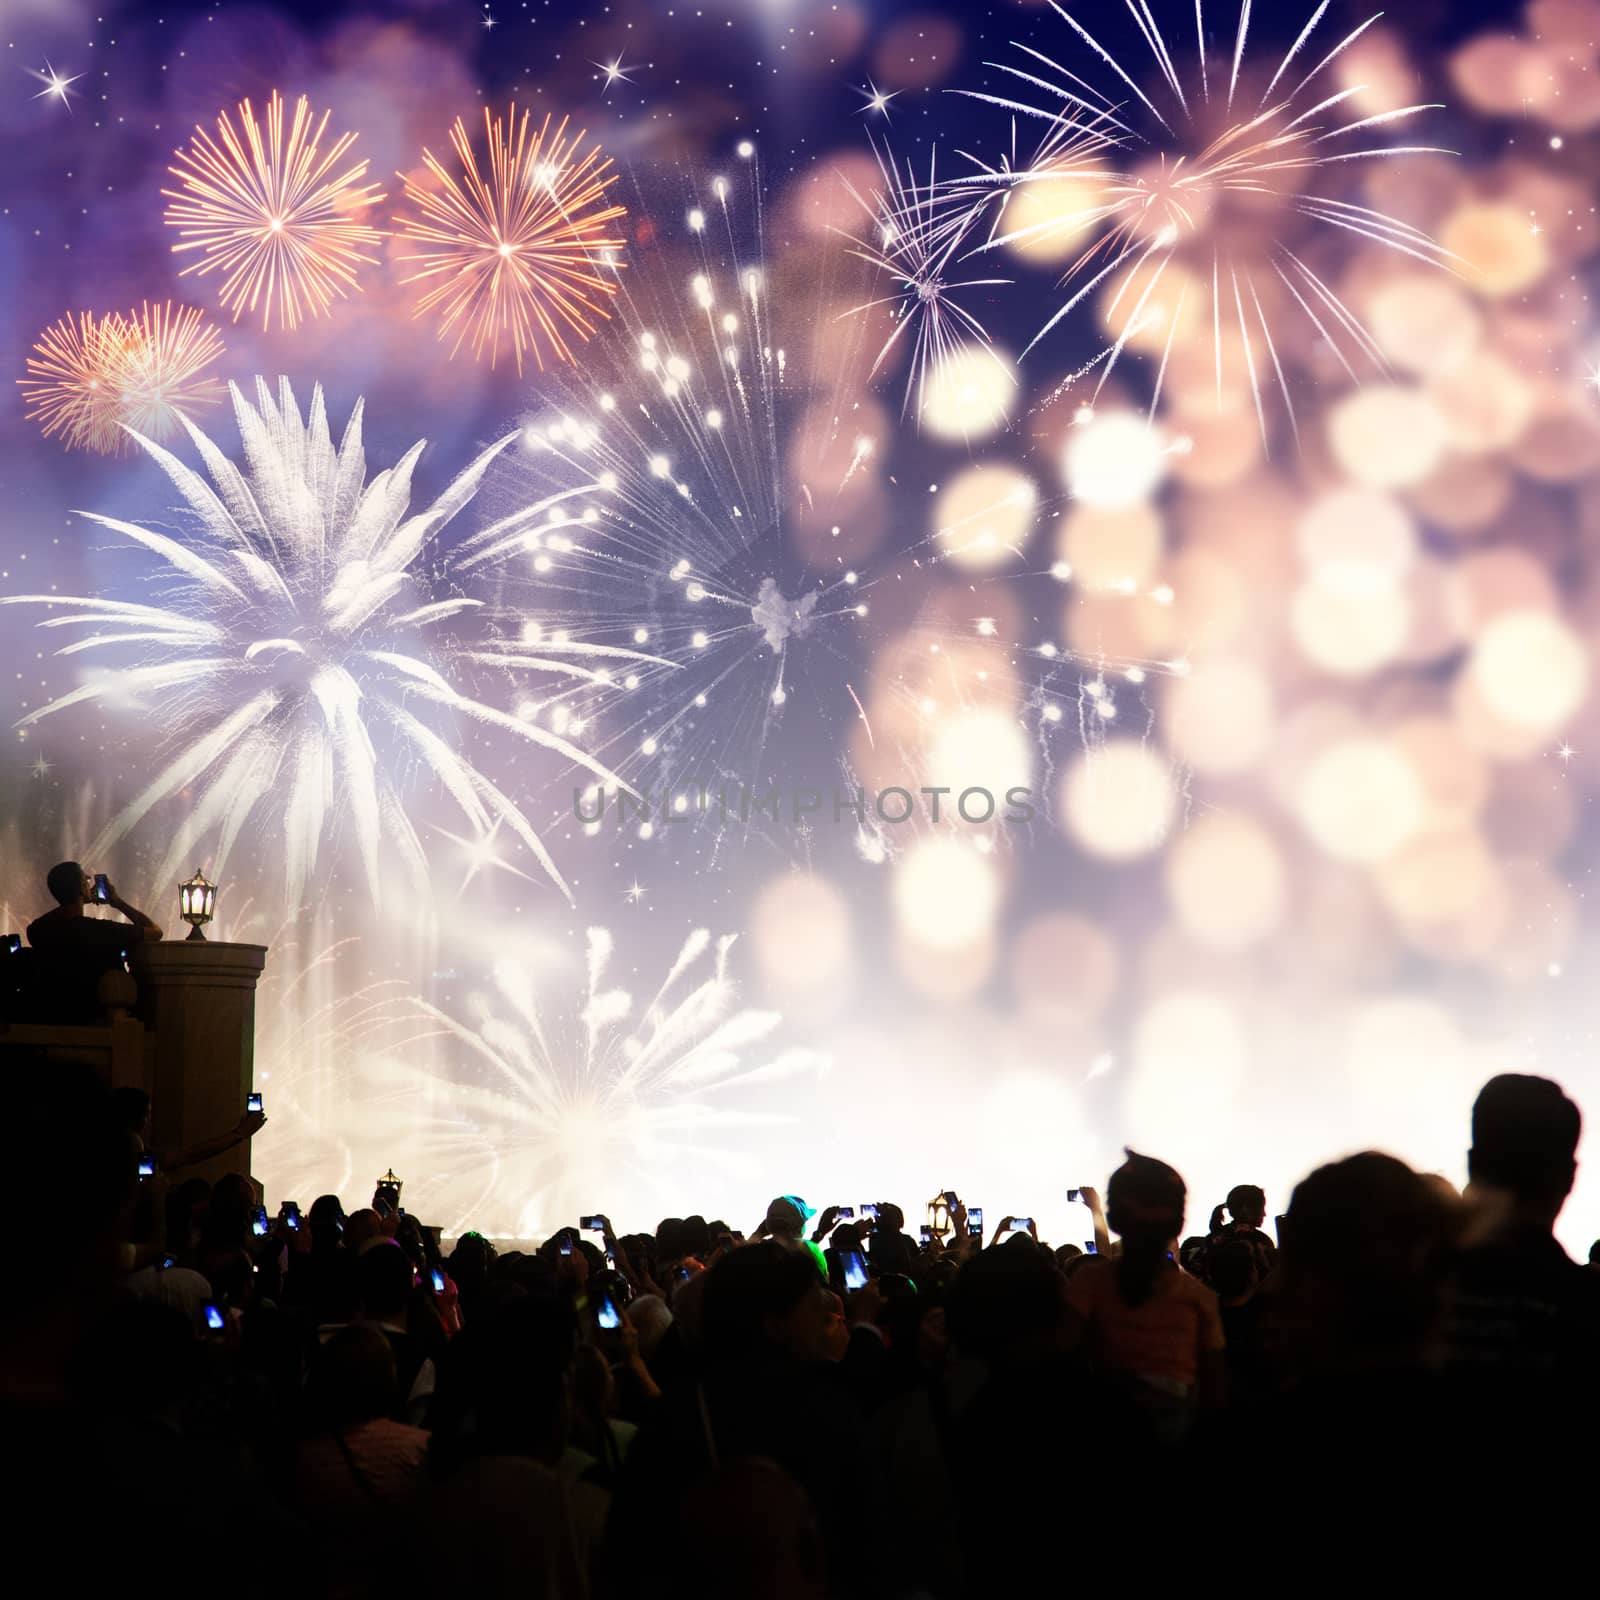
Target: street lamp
x: 197, y: 903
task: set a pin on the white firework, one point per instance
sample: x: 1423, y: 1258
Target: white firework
x: 302, y: 662
x: 562, y: 1097
x: 917, y: 233
x: 669, y: 461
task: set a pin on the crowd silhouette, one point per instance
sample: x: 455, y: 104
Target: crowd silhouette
x: 342, y: 1403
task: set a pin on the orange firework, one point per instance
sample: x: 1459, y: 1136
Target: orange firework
x: 161, y: 372
x: 522, y: 256
x: 72, y: 382
x: 89, y: 379
x: 272, y: 214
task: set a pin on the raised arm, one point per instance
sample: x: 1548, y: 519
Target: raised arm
x: 1102, y: 1234
x: 149, y: 928
x: 250, y: 1124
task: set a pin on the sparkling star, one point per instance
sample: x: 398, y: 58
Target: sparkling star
x: 1566, y: 752
x: 56, y: 87
x: 481, y: 855
x: 634, y: 893
x: 877, y: 101
x: 614, y: 72
x: 488, y: 19
x: 41, y: 767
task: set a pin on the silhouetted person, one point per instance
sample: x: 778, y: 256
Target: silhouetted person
x: 77, y: 950
x: 1365, y: 1434
x: 1150, y: 1329
x: 1524, y: 1340
x: 67, y: 931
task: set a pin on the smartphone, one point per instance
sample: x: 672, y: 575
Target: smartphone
x: 870, y: 1211
x: 1090, y: 1248
x: 291, y: 1220
x: 438, y: 1281
x: 565, y: 1246
x: 1278, y: 1226
x: 855, y: 1269
x: 102, y: 889
x: 607, y: 1315
x: 975, y: 1219
x: 214, y: 1319
x: 252, y: 1102
x: 1021, y: 1224
x: 147, y: 1165
x: 13, y: 942
x: 168, y: 1261
x: 844, y: 1213
x: 1074, y: 1194
x: 682, y: 1274
x: 927, y: 1234
x: 259, y: 1225
x: 592, y: 1224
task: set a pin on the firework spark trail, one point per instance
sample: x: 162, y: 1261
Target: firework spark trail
x: 273, y: 216
x: 915, y: 237
x: 1203, y: 192
x: 300, y: 640
x: 521, y: 256
x: 551, y: 1088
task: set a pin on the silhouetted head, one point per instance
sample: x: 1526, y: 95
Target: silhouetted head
x: 1525, y: 1140
x: 770, y: 1299
x: 1006, y: 1305
x: 503, y: 1381
x: 352, y: 1379
x: 785, y: 1221
x: 1367, y: 1252
x: 384, y: 1276
x: 1232, y: 1269
x: 1247, y: 1204
x: 66, y: 883
x: 1145, y: 1202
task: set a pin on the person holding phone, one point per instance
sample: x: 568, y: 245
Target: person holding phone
x: 82, y: 948
x: 1151, y: 1329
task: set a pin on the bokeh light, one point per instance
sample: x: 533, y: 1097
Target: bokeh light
x: 983, y: 517
x: 946, y: 894
x: 1114, y: 459
x: 970, y: 393
x: 1119, y: 800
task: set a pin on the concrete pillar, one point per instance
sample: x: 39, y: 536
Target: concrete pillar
x: 197, y: 997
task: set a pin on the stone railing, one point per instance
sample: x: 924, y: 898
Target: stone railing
x: 182, y: 1027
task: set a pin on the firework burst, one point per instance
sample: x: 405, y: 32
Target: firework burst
x: 89, y: 380
x: 161, y: 376
x: 666, y: 460
x: 300, y: 659
x: 545, y: 1094
x: 73, y: 383
x: 523, y: 255
x: 273, y: 214
x: 1192, y: 196
x: 915, y: 237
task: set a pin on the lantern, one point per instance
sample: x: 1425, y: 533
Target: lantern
x: 197, y: 903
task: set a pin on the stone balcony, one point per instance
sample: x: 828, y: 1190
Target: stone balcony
x: 181, y: 1027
